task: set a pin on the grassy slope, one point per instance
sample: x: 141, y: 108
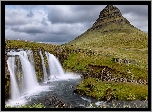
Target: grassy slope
x: 113, y: 41
x: 127, y: 42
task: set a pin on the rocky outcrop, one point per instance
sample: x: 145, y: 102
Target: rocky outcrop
x: 110, y: 14
x: 125, y: 61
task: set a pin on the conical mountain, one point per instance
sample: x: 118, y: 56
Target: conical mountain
x: 113, y: 34
x: 111, y: 29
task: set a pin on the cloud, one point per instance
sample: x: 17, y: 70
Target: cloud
x: 29, y: 29
x: 30, y: 14
x: 139, y: 10
x: 73, y: 14
x: 50, y: 23
x: 44, y: 22
x: 14, y: 17
x: 137, y: 15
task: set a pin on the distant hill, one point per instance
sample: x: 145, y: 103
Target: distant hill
x: 112, y: 33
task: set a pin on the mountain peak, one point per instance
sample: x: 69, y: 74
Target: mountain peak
x: 110, y: 14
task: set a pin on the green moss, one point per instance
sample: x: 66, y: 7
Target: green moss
x: 38, y: 66
x: 108, y: 90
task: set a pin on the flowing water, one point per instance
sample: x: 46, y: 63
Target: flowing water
x: 14, y: 87
x: 60, y: 84
x: 56, y: 70
x: 30, y: 80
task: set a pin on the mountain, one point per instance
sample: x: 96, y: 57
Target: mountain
x: 109, y: 15
x: 112, y: 33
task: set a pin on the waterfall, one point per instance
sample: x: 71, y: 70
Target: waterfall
x: 30, y: 80
x: 55, y: 67
x: 56, y: 70
x: 43, y: 66
x: 21, y: 67
x: 15, y: 94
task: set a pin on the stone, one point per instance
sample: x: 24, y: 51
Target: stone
x: 55, y: 101
x: 110, y: 14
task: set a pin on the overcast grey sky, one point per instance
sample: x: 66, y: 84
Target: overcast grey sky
x: 62, y: 23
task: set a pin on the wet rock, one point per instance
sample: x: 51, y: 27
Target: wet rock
x: 54, y: 101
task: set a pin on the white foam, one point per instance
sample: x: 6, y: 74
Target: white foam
x: 88, y: 100
x: 23, y: 99
x: 17, y: 102
x: 65, y: 76
x: 98, y: 103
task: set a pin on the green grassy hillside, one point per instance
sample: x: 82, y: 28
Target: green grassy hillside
x: 121, y: 42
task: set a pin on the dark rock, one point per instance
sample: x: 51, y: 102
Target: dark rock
x: 110, y: 14
x: 132, y: 61
x: 54, y: 101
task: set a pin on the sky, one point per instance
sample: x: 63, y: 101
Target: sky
x: 62, y: 23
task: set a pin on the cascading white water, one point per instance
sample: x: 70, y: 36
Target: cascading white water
x: 29, y: 76
x: 30, y: 80
x: 44, y: 69
x: 55, y: 66
x: 15, y: 94
x: 56, y: 70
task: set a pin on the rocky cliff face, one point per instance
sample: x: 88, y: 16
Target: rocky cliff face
x: 110, y: 14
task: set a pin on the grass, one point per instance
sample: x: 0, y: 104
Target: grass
x: 81, y: 61
x: 108, y: 90
x: 127, y: 42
